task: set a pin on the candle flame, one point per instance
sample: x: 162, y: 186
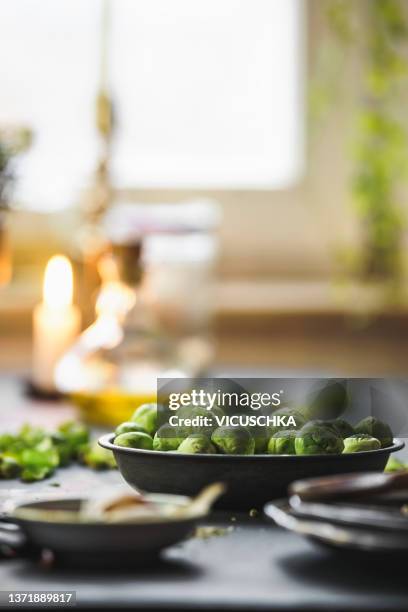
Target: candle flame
x: 58, y: 283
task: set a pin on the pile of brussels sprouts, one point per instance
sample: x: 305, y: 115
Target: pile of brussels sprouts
x: 311, y: 436
x: 34, y: 453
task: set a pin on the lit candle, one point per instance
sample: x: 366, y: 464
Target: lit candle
x: 56, y: 322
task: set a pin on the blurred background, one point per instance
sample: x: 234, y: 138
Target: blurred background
x: 227, y: 178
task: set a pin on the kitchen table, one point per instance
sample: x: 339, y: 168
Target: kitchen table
x: 253, y: 565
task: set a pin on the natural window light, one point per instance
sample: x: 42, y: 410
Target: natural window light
x: 207, y: 93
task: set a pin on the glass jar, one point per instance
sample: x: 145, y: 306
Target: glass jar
x: 153, y: 312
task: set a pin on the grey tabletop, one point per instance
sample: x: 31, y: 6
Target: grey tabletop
x: 255, y: 565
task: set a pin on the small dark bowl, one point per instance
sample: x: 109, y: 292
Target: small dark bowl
x: 251, y: 480
x: 87, y: 544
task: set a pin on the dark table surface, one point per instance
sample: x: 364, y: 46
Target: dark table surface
x: 255, y: 565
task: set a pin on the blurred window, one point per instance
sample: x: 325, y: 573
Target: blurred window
x: 207, y: 93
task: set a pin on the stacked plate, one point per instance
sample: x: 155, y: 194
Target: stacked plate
x: 365, y: 513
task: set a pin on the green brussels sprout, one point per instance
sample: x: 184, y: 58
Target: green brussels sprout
x: 9, y: 467
x: 64, y: 448
x: 32, y: 473
x: 282, y: 443
x: 76, y: 433
x: 168, y: 438
x: 39, y: 461
x: 330, y: 425
x: 30, y: 436
x: 328, y: 403
x: 95, y: 457
x: 128, y: 426
x: 186, y: 413
x: 341, y: 427
x: 197, y: 444
x: 288, y: 412
x: 146, y: 417
x: 134, y: 439
x: 261, y: 436
x: 395, y: 465
x: 6, y: 440
x: 233, y: 440
x: 317, y: 439
x: 375, y: 428
x: 360, y: 442
x: 217, y: 411
x: 68, y: 440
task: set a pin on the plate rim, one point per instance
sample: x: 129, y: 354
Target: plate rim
x: 301, y: 527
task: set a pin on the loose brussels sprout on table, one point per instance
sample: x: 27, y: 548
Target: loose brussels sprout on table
x: 9, y: 467
x: 65, y: 450
x: 233, y: 441
x: 375, y: 428
x: 360, y: 442
x: 33, y: 453
x: 395, y: 465
x: 95, y: 457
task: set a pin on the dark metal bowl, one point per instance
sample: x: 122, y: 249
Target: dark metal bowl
x: 112, y: 545
x: 251, y: 480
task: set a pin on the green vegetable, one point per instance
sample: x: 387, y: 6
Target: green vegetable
x: 146, y: 417
x: 282, y: 443
x: 328, y: 403
x: 261, y: 436
x: 196, y: 443
x: 168, y: 438
x: 96, y: 457
x: 233, y: 441
x: 134, y: 439
x: 9, y: 467
x: 128, y: 426
x: 6, y: 440
x: 30, y: 452
x: 29, y: 436
x: 35, y: 472
x: 64, y: 448
x: 288, y: 412
x: 315, y: 438
x: 395, y: 465
x: 76, y: 433
x: 341, y: 427
x: 375, y: 428
x: 34, y: 453
x: 188, y: 413
x: 360, y: 442
x: 69, y: 439
x: 39, y: 461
